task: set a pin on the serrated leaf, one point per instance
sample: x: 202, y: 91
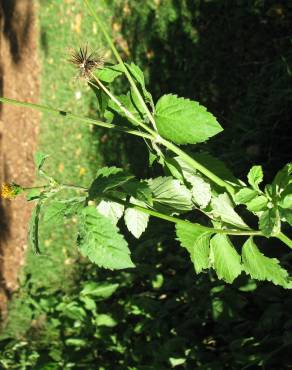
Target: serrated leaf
x: 268, y: 222
x: 261, y: 267
x: 140, y: 190
x: 257, y: 204
x: 170, y: 194
x: 223, y: 208
x: 135, y: 220
x: 39, y: 159
x: 107, y: 178
x: 255, y: 176
x: 184, y: 121
x: 111, y: 210
x: 245, y: 195
x: 100, y: 241
x: 34, y: 228
x: 100, y: 290
x: 110, y: 73
x: 201, y: 190
x: 226, y: 260
x: 196, y: 240
x: 55, y: 212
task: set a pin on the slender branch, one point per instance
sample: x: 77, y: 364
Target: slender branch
x: 120, y: 60
x: 191, y: 161
x: 69, y: 115
x: 120, y: 105
x: 180, y: 221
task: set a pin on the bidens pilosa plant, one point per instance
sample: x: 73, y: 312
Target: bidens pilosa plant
x: 190, y: 183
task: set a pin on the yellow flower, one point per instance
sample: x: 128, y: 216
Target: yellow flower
x: 10, y: 191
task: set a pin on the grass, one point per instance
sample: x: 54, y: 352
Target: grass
x: 74, y: 151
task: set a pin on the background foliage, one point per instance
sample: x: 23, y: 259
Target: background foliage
x: 236, y: 59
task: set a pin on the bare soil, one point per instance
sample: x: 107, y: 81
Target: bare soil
x: 19, y: 72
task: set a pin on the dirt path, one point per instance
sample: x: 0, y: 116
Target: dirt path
x: 18, y: 131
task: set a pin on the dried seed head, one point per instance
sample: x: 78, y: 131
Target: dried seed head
x: 86, y: 62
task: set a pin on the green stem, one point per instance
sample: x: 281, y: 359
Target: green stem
x: 284, y: 238
x: 191, y: 161
x: 120, y: 105
x: 69, y: 115
x: 180, y: 221
x: 120, y: 60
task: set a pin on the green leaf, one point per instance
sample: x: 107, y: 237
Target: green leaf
x: 226, y: 261
x: 201, y: 190
x: 110, y: 73
x: 105, y: 320
x: 107, y: 178
x: 196, y: 240
x: 245, y: 195
x: 34, y: 228
x: 138, y: 75
x: 261, y: 267
x: 257, y: 204
x: 286, y: 215
x: 184, y: 121
x: 255, y: 176
x: 111, y: 210
x: 136, y: 221
x: 269, y: 222
x: 286, y: 197
x: 131, y: 103
x: 55, y: 212
x: 39, y: 159
x: 34, y: 194
x: 99, y: 290
x: 100, y: 241
x: 282, y: 179
x: 140, y: 190
x: 170, y: 194
x: 223, y: 208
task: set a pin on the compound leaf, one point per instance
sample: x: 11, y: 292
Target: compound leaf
x: 111, y: 210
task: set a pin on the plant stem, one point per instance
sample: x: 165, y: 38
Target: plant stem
x: 120, y: 60
x: 185, y: 222
x: 191, y: 161
x: 284, y: 238
x: 120, y: 105
x: 69, y: 115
